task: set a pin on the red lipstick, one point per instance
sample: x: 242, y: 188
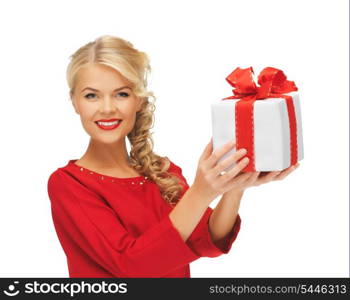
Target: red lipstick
x: 107, y: 126
x: 105, y: 120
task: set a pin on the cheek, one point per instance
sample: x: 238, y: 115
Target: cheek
x: 130, y: 122
x: 87, y: 113
x: 87, y: 118
x: 128, y: 112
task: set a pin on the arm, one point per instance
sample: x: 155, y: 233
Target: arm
x: 188, y: 212
x: 224, y: 215
x: 201, y: 240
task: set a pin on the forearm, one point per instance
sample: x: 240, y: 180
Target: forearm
x: 187, y: 213
x: 224, y: 215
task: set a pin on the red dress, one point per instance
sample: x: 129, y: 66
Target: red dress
x: 120, y: 227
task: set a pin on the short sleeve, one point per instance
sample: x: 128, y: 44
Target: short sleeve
x: 84, y: 221
x: 200, y: 240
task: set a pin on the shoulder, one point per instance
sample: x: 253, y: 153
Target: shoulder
x: 59, y: 176
x: 56, y: 182
x: 65, y: 190
x: 54, y: 178
x: 61, y: 181
x: 173, y: 167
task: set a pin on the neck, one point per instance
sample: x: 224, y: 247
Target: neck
x: 107, y: 156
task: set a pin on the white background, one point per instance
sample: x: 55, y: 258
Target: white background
x: 298, y: 227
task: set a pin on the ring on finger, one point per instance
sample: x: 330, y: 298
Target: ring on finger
x: 222, y: 173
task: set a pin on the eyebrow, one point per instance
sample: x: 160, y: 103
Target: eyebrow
x: 117, y: 89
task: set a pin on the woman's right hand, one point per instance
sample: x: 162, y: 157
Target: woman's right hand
x: 208, y: 181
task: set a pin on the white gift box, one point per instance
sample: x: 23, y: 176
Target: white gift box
x: 271, y: 131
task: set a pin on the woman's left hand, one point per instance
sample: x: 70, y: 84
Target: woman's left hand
x: 258, y: 178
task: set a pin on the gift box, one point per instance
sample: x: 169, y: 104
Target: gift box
x: 264, y: 119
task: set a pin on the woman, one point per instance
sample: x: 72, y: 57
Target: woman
x: 134, y: 215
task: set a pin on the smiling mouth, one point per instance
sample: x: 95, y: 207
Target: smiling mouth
x: 108, y: 125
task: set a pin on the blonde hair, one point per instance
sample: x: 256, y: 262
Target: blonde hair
x: 121, y: 55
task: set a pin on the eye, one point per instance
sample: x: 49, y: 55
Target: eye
x: 123, y: 94
x: 86, y: 96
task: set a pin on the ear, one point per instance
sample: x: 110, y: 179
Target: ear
x: 140, y: 102
x: 73, y: 102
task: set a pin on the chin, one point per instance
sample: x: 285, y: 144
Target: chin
x: 111, y: 141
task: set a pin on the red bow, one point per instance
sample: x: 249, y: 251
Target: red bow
x: 273, y: 84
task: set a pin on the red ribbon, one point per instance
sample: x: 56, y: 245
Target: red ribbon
x: 273, y: 84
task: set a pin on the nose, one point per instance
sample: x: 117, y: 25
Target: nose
x: 107, y: 106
